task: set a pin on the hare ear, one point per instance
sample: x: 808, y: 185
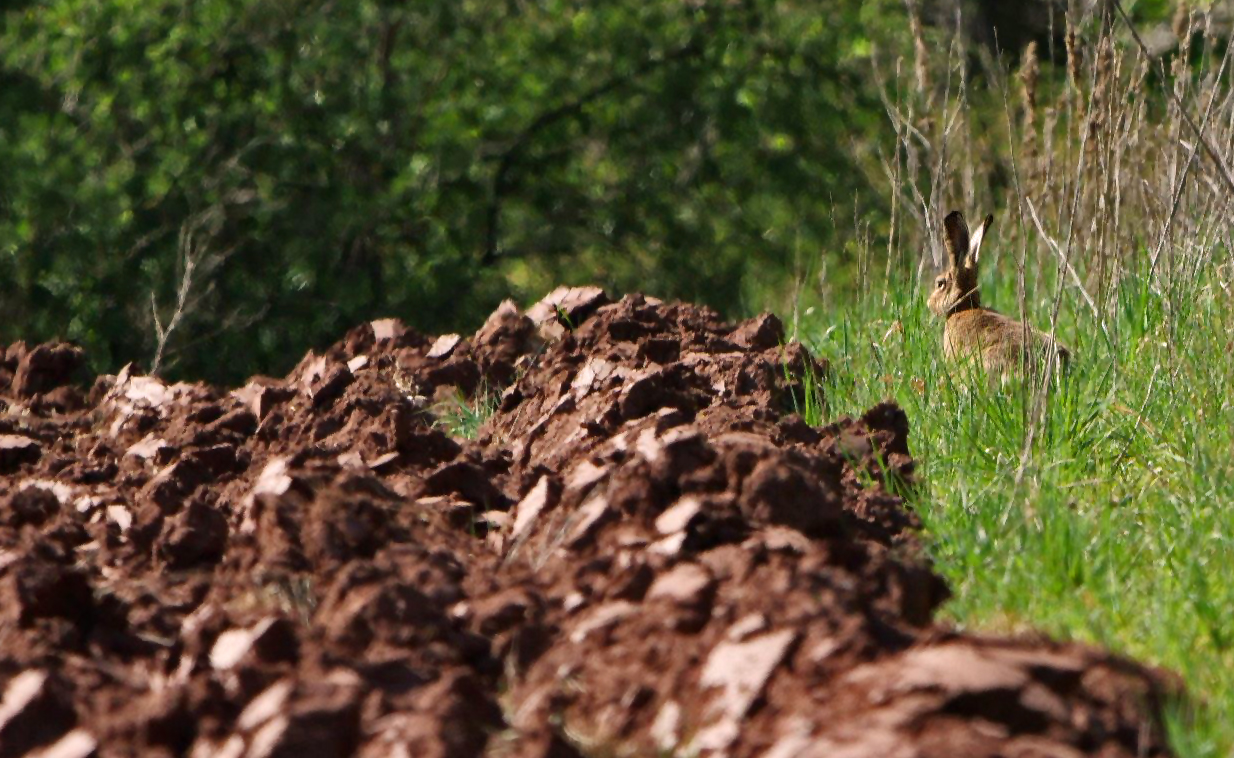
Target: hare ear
x: 974, y: 247
x: 955, y: 234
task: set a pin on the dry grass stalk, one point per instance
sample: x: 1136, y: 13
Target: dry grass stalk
x: 921, y: 54
x: 1030, y: 71
x: 1109, y: 180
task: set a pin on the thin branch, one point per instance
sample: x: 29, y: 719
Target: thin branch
x: 507, y: 159
x: 189, y: 258
x: 1212, y: 153
x: 1063, y: 259
x: 195, y: 263
x: 1182, y: 180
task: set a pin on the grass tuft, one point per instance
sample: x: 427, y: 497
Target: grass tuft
x: 462, y: 416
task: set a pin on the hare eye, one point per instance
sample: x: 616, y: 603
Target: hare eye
x: 941, y: 283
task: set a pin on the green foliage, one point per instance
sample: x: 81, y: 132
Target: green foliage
x: 461, y: 416
x: 335, y: 162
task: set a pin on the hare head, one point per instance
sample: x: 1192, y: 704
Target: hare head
x: 955, y: 289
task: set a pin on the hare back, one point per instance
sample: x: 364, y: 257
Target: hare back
x: 1004, y: 344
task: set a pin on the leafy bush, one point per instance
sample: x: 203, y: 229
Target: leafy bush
x: 322, y: 163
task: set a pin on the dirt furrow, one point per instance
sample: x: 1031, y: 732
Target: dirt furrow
x: 644, y: 550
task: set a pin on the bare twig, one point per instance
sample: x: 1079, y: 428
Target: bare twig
x: 1211, y: 151
x: 508, y: 158
x: 1066, y: 263
x: 1182, y: 181
x: 194, y: 261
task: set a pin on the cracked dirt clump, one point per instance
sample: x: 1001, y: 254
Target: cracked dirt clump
x: 645, y: 549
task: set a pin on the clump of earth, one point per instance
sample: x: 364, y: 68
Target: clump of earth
x: 644, y: 550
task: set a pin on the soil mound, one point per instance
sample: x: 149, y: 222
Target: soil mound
x: 645, y: 550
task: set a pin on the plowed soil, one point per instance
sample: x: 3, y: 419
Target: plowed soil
x: 644, y: 551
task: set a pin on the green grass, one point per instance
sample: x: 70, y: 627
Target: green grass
x: 1116, y: 527
x: 461, y: 416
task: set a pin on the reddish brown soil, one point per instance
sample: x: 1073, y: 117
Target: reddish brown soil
x: 644, y: 552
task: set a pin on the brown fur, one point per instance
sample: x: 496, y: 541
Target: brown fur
x: 1004, y: 345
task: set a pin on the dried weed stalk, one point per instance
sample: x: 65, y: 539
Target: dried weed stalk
x: 1111, y: 168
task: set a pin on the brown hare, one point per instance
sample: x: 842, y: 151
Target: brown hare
x: 1004, y: 345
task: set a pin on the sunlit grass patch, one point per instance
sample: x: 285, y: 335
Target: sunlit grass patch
x: 1099, y: 510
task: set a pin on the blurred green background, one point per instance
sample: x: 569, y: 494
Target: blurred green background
x: 323, y: 163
